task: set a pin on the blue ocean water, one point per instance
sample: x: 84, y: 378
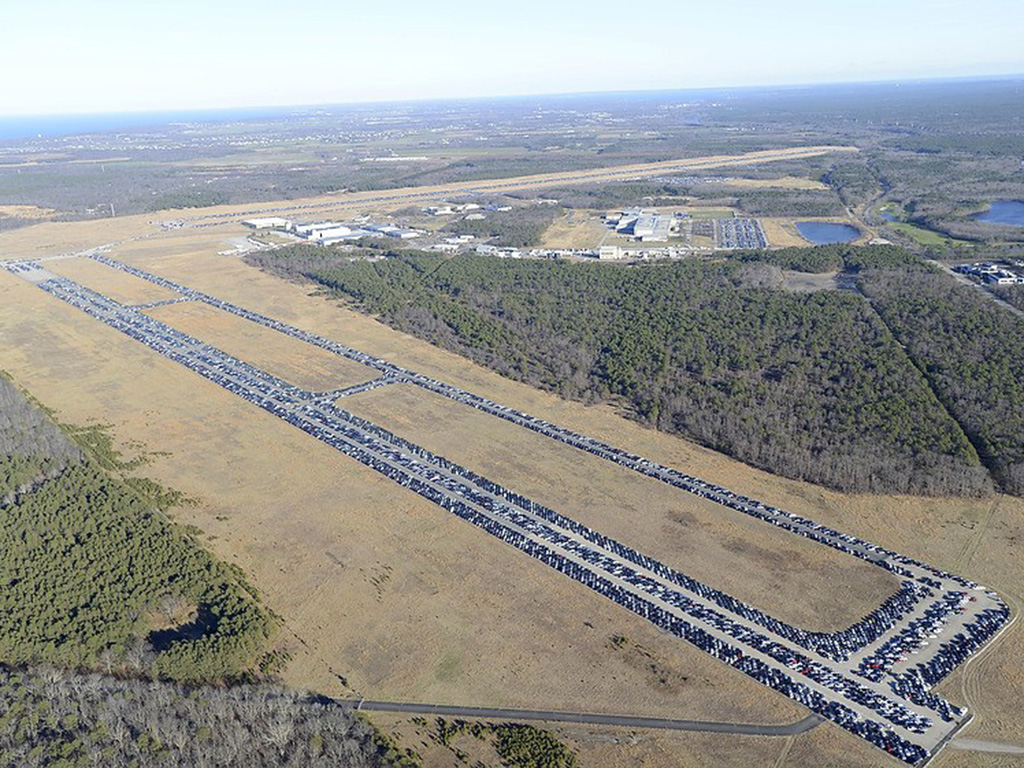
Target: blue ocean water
x: 28, y: 126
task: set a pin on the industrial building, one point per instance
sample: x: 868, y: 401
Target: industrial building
x: 994, y: 274
x: 390, y: 230
x: 645, y: 226
x: 608, y: 252
x: 268, y: 223
x: 321, y: 231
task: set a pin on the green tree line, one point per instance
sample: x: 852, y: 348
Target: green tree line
x: 811, y: 386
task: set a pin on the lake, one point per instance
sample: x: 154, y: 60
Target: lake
x: 1009, y: 212
x: 826, y: 233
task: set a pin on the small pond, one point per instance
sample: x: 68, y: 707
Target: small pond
x: 826, y: 233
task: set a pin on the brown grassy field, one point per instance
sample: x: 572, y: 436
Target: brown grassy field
x: 305, y: 366
x: 383, y: 589
x: 781, y: 232
x: 807, y: 282
x: 824, y: 747
x: 770, y: 568
x: 53, y: 238
x: 576, y: 229
x: 119, y: 286
x: 26, y: 212
x: 783, y: 182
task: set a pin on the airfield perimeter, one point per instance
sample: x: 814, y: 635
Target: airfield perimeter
x: 417, y: 620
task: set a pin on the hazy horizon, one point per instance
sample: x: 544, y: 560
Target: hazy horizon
x: 14, y: 127
x: 114, y: 57
x: 278, y: 106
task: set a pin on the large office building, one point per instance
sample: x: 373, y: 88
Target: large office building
x: 645, y: 226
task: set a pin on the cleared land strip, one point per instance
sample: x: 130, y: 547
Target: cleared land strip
x: 503, y: 186
x: 893, y: 711
x: 588, y: 718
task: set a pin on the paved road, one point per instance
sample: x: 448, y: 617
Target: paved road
x: 590, y: 718
x: 976, y: 745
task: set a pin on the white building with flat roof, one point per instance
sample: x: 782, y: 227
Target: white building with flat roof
x: 271, y: 222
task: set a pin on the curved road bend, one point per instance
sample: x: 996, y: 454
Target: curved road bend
x: 587, y: 718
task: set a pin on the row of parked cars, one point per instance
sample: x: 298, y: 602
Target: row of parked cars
x: 913, y: 636
x: 418, y: 472
x: 739, y: 233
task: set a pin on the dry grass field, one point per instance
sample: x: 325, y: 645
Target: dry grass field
x: 303, y: 365
x: 807, y: 282
x: 783, y: 182
x: 781, y: 232
x: 788, y: 576
x: 376, y: 586
x: 576, y: 229
x: 120, y: 286
x: 26, y: 212
x: 823, y: 747
x: 711, y: 212
x: 53, y: 238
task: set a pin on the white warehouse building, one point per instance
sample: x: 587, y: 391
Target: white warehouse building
x: 269, y: 223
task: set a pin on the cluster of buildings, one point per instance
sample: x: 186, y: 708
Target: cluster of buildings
x: 534, y: 253
x: 472, y: 209
x: 452, y: 244
x: 615, y: 252
x: 329, y: 232
x: 604, y: 253
x: 992, y: 273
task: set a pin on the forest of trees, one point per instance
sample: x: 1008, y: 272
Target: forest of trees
x: 50, y: 717
x: 831, y: 258
x: 35, y: 448
x: 812, y: 386
x: 89, y: 560
x: 971, y: 350
x: 1013, y: 295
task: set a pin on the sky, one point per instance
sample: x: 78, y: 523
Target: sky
x: 85, y: 56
